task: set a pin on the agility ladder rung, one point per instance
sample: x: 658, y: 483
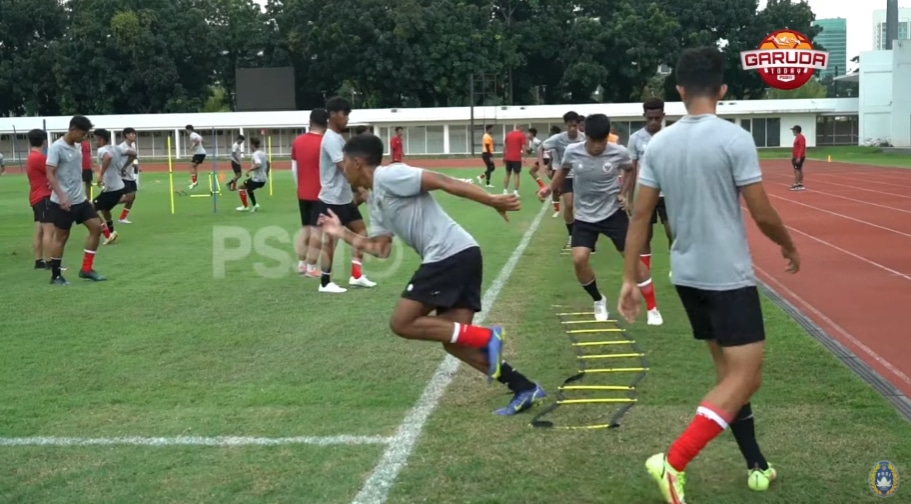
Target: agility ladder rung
x: 614, y: 370
x: 595, y: 387
x: 610, y: 356
x: 594, y: 331
x: 602, y: 343
x: 597, y: 401
x: 568, y: 322
x: 568, y: 314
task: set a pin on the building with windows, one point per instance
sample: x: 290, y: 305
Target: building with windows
x: 834, y: 39
x: 879, y: 27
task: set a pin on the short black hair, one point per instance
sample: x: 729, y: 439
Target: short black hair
x: 103, y: 134
x: 319, y: 117
x: 368, y: 147
x: 189, y: 127
x: 338, y: 104
x: 398, y: 128
x: 36, y: 137
x: 555, y: 129
x: 488, y: 127
x: 533, y: 131
x: 360, y: 130
x: 255, y: 142
x: 127, y: 131
x: 81, y: 123
x: 700, y: 71
x: 597, y: 126
x: 240, y: 137
x: 570, y: 117
x: 653, y: 104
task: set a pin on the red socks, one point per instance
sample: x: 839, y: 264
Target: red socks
x: 356, y: 271
x: 193, y: 178
x: 470, y: 335
x: 124, y: 213
x: 88, y: 260
x: 647, y: 288
x: 105, y: 231
x: 243, y: 198
x: 709, y: 422
x: 646, y: 260
x: 539, y: 182
x: 556, y: 205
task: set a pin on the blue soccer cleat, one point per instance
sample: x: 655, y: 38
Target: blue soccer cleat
x: 494, y: 353
x: 522, y: 401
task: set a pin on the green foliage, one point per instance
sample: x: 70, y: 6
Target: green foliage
x: 812, y: 89
x: 155, y: 56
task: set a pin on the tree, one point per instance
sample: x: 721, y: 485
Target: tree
x: 815, y: 88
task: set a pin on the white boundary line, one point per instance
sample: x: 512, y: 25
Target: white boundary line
x: 221, y: 441
x: 376, y: 489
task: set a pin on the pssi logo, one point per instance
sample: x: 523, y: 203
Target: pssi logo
x: 785, y: 60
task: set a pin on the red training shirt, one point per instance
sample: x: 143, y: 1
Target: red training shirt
x: 513, y: 145
x: 800, y: 146
x: 305, y: 152
x: 36, y: 169
x: 86, y: 156
x: 397, y: 148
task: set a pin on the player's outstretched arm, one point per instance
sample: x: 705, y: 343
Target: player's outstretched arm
x: 433, y: 181
x: 379, y: 245
x: 769, y: 222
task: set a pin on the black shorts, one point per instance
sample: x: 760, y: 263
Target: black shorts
x: 235, y: 166
x: 488, y: 160
x: 87, y: 176
x: 64, y: 219
x: 309, y: 212
x: 347, y: 213
x: 797, y: 163
x: 198, y: 159
x: 585, y: 234
x: 730, y: 318
x: 513, y: 166
x: 42, y: 211
x: 130, y: 187
x: 107, y: 200
x: 547, y: 161
x: 252, y: 185
x: 454, y: 282
x: 660, y: 212
x: 567, y: 187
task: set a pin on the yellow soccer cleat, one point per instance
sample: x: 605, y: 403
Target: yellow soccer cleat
x: 670, y: 481
x: 759, y: 480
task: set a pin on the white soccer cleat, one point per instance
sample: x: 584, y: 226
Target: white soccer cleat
x: 254, y: 208
x: 516, y: 194
x: 654, y: 317
x: 192, y: 185
x: 111, y: 239
x: 363, y: 281
x: 556, y: 214
x: 670, y: 274
x: 241, y: 209
x: 331, y: 287
x: 124, y: 221
x: 600, y: 309
x: 505, y: 192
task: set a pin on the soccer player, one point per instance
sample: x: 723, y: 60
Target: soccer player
x: 613, y: 137
x: 305, y: 157
x: 798, y: 156
x: 653, y: 112
x: 257, y: 176
x: 557, y: 144
x: 704, y: 165
x: 39, y: 197
x: 129, y: 172
x: 397, y: 146
x: 87, y: 171
x: 68, y: 200
x: 513, y: 144
x: 112, y: 159
x: 487, y: 156
x: 199, y: 155
x: 599, y: 209
x: 336, y: 195
x: 581, y: 121
x: 2, y: 164
x: 237, y: 156
x: 448, y: 281
x: 549, y: 170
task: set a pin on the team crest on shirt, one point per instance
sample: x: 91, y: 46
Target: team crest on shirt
x: 607, y: 167
x: 883, y: 479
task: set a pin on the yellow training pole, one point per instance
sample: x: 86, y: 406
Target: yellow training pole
x: 269, y: 154
x: 171, y: 174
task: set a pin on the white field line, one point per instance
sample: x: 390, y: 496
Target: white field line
x: 376, y: 489
x: 221, y: 441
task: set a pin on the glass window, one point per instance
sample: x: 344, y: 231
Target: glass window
x: 435, y: 141
x: 745, y: 124
x: 773, y: 132
x: 458, y: 139
x: 416, y: 140
x: 759, y: 132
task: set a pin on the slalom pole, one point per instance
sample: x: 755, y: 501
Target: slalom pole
x: 214, y: 186
x: 269, y: 166
x: 171, y: 174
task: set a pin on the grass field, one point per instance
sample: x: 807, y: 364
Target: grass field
x: 166, y: 349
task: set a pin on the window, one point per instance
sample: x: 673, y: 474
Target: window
x: 458, y: 139
x: 766, y: 131
x: 837, y: 130
x: 416, y: 140
x: 435, y: 141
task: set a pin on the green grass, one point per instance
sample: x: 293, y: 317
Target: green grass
x: 870, y: 156
x: 165, y: 349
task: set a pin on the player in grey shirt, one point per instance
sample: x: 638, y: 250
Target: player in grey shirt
x: 68, y: 200
x: 704, y: 165
x: 599, y: 208
x: 128, y: 172
x: 237, y: 156
x: 110, y: 159
x: 557, y: 144
x: 653, y: 112
x: 449, y: 279
x: 336, y: 194
x: 257, y: 176
x: 199, y: 155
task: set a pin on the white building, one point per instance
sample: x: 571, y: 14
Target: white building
x: 440, y: 131
x: 879, y: 27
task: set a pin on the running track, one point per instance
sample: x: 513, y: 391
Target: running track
x: 852, y: 226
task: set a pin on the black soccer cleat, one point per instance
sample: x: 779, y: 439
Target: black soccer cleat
x: 59, y: 281
x: 91, y: 275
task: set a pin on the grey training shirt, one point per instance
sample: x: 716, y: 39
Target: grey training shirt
x: 596, y: 184
x: 335, y: 189
x: 68, y: 161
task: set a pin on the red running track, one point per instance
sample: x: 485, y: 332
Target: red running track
x: 852, y: 226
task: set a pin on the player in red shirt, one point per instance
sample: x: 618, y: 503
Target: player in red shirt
x: 87, y: 172
x: 397, y: 146
x: 798, y: 155
x: 39, y: 197
x: 305, y: 155
x: 513, y: 145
